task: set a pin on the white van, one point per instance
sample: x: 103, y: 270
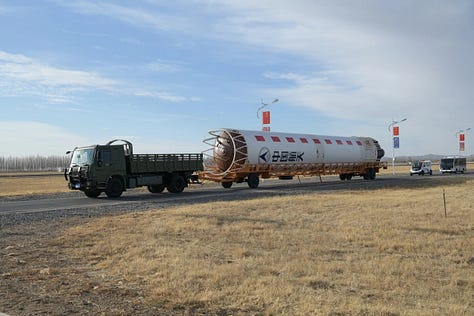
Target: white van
x: 421, y: 167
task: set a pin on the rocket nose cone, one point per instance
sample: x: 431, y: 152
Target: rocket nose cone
x: 223, y: 152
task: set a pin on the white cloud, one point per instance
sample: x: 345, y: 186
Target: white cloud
x: 370, y: 61
x: 19, y: 67
x: 4, y: 10
x: 165, y: 66
x: 21, y: 75
x: 138, y: 17
x: 21, y: 137
x: 367, y: 61
x: 165, y: 96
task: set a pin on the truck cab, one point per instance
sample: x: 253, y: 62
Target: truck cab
x: 421, y: 167
x: 92, y: 169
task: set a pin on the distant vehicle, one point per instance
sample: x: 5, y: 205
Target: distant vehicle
x: 112, y: 169
x: 452, y: 165
x: 421, y: 167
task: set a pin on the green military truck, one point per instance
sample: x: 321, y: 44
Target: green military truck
x: 113, y: 168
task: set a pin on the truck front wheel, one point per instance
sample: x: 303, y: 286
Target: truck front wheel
x: 177, y: 184
x: 92, y: 193
x: 114, y: 188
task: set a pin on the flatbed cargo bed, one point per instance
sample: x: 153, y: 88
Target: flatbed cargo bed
x: 152, y: 163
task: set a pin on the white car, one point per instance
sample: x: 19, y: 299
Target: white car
x: 421, y: 167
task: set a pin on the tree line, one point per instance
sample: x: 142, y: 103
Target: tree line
x: 33, y: 163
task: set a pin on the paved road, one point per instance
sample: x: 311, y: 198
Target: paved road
x: 214, y: 192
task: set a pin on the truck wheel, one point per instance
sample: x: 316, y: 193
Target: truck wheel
x: 93, y: 193
x: 431, y: 172
x: 157, y: 188
x: 114, y: 188
x: 177, y: 184
x: 348, y: 176
x: 373, y: 174
x: 227, y: 185
x: 366, y: 174
x: 422, y: 173
x: 369, y: 174
x: 253, y: 181
x: 343, y: 176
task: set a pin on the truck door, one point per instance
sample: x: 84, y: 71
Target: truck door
x: 110, y: 162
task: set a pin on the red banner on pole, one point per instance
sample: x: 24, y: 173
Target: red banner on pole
x: 461, y: 137
x: 396, y: 131
x: 461, y: 146
x: 266, y: 117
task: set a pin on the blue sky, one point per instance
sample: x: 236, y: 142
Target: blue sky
x: 163, y: 73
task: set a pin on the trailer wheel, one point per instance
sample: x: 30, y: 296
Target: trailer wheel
x: 114, y: 188
x: 93, y: 193
x: 366, y: 174
x: 348, y: 176
x: 177, y: 184
x: 253, y: 180
x: 369, y: 174
x: 343, y: 176
x: 373, y: 173
x: 157, y: 188
x: 227, y: 185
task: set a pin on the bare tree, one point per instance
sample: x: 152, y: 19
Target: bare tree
x: 33, y: 163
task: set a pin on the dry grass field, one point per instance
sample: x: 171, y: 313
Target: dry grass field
x: 32, y: 184
x: 363, y: 252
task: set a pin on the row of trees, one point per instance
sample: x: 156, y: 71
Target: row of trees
x: 33, y: 163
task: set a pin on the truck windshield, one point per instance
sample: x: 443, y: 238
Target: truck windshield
x: 446, y: 164
x: 416, y: 165
x: 82, y: 157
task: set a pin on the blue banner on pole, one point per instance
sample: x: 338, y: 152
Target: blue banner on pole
x: 396, y: 142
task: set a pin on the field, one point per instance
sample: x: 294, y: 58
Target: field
x: 362, y: 252
x: 31, y: 183
x: 384, y: 252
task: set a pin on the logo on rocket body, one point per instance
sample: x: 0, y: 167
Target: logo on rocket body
x: 264, y: 155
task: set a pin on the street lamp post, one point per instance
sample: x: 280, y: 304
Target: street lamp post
x: 390, y: 127
x: 461, y: 140
x: 262, y: 107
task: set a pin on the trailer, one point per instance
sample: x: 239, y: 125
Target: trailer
x: 113, y: 168
x: 238, y: 156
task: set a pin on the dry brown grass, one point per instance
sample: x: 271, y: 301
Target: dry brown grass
x: 10, y: 186
x: 383, y: 252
